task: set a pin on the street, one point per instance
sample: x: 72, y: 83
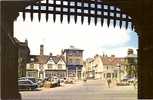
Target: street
x: 90, y: 90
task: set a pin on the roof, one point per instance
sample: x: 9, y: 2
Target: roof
x: 44, y: 59
x: 73, y: 48
x: 112, y: 61
x: 89, y: 60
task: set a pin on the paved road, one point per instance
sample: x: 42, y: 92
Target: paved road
x: 91, y: 90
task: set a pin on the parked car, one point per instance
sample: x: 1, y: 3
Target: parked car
x: 62, y: 82
x: 33, y: 79
x: 123, y: 82
x: 132, y: 80
x: 55, y: 81
x: 40, y: 82
x: 68, y: 81
x: 27, y: 85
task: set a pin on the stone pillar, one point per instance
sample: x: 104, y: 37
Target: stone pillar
x: 145, y: 65
x: 8, y: 56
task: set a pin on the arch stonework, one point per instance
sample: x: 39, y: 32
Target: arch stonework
x: 139, y: 10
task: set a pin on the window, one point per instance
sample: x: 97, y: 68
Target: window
x: 77, y: 61
x: 31, y: 66
x: 50, y: 66
x: 59, y: 66
x: 70, y: 61
x: 107, y: 67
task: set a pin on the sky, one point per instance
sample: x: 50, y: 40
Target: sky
x: 56, y: 36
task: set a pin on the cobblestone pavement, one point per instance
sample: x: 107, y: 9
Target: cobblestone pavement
x: 90, y: 90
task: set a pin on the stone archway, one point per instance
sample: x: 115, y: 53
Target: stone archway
x: 139, y: 10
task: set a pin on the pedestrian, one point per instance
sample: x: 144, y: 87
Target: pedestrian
x: 109, y: 82
x: 85, y: 80
x: 135, y: 84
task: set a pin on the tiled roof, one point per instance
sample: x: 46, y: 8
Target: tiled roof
x: 112, y: 60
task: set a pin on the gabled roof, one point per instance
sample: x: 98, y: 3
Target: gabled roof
x: 56, y: 59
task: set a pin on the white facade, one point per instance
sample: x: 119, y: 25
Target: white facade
x: 49, y: 69
x: 105, y: 67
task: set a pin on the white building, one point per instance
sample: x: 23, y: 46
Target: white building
x: 41, y: 66
x: 103, y: 67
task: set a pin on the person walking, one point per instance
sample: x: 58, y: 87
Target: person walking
x: 109, y: 82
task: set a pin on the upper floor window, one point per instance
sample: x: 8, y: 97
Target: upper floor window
x: 31, y: 66
x: 59, y: 66
x: 50, y: 66
x: 70, y: 61
x: 77, y: 61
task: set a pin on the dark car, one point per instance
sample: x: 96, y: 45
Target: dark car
x: 26, y: 85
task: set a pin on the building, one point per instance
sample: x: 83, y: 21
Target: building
x: 131, y: 63
x: 23, y: 56
x: 74, y: 62
x: 89, y: 68
x: 104, y: 67
x: 55, y: 66
x: 113, y: 67
x: 42, y: 66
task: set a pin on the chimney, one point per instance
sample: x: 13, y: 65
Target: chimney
x: 26, y: 41
x: 41, y: 50
x: 50, y: 54
x: 130, y: 51
x: 113, y: 56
